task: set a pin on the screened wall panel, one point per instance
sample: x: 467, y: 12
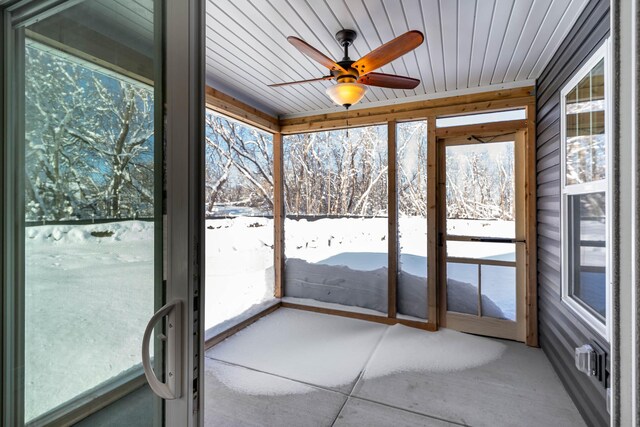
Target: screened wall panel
x: 336, y: 194
x: 239, y: 221
x: 412, y: 218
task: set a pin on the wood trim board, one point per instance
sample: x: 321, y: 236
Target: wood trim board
x: 531, y: 298
x: 278, y: 215
x: 481, y: 129
x: 427, y: 326
x: 392, y: 235
x: 405, y: 116
x: 456, y: 105
x: 432, y: 222
x: 222, y: 103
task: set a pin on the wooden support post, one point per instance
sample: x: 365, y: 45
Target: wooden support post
x: 278, y: 215
x: 392, y: 237
x: 432, y: 221
x: 531, y: 229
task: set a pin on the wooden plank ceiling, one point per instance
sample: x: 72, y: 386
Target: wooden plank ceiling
x: 469, y: 44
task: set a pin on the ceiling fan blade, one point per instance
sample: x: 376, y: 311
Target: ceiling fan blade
x: 389, y: 81
x: 301, y: 81
x: 389, y: 51
x: 314, y: 53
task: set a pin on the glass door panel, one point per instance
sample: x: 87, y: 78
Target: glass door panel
x: 482, y: 254
x: 92, y: 206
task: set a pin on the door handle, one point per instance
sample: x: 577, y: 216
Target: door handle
x: 496, y: 240
x: 171, y: 389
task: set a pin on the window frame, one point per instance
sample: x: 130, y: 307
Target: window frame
x: 603, y: 185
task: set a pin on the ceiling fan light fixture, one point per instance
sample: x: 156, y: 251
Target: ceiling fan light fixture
x: 346, y: 94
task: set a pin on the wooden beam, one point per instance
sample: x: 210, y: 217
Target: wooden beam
x: 412, y: 115
x: 278, y: 215
x: 495, y: 128
x: 361, y: 316
x: 465, y: 104
x: 240, y: 326
x: 520, y: 177
x: 531, y: 230
x: 432, y: 221
x: 392, y: 208
x: 234, y: 108
x: 441, y: 214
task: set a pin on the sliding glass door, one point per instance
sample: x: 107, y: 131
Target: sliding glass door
x: 86, y: 216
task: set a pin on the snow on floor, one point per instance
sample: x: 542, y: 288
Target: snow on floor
x: 249, y: 381
x: 332, y: 351
x: 410, y: 377
x: 328, y: 351
x: 405, y: 349
x: 87, y: 301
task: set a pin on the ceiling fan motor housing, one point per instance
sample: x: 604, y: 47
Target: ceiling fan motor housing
x: 346, y: 38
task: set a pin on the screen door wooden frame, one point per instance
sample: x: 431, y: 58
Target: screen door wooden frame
x: 481, y: 325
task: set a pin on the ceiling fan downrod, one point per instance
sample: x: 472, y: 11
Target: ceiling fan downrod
x: 346, y: 38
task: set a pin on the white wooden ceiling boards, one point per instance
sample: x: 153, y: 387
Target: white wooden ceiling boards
x: 470, y: 44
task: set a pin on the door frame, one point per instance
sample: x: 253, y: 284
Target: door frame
x: 185, y: 102
x: 525, y: 327
x: 183, y: 87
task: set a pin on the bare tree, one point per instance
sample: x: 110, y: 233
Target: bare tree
x: 89, y: 141
x: 328, y: 173
x: 239, y: 165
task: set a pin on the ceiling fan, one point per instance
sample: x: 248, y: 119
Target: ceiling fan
x: 353, y: 77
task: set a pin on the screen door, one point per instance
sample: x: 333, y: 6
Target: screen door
x: 482, y: 234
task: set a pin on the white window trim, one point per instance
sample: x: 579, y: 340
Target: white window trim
x: 603, y: 329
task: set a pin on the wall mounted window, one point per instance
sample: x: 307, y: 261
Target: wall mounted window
x: 585, y: 202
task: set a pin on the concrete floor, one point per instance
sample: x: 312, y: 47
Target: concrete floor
x: 252, y: 385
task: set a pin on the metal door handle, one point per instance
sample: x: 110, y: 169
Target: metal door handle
x: 173, y: 335
x: 496, y: 240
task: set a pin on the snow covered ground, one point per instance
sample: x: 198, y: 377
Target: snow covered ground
x: 89, y: 296
x: 87, y: 301
x: 239, y: 269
